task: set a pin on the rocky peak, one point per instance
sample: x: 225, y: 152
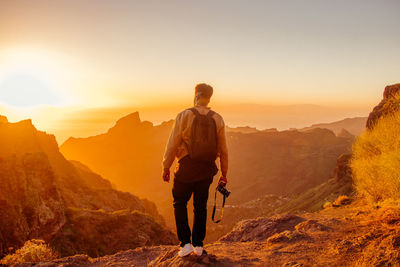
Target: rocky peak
x: 129, y: 122
x: 345, y: 134
x: 22, y: 137
x: 391, y: 90
x: 389, y: 104
x: 132, y: 119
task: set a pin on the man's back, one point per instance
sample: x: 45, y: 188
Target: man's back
x: 180, y: 137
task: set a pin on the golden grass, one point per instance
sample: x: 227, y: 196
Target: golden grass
x: 32, y: 251
x: 342, y: 201
x: 327, y: 205
x: 376, y: 161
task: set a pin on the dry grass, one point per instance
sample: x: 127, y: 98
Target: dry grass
x: 327, y: 205
x: 342, y: 201
x: 32, y: 251
x: 376, y: 161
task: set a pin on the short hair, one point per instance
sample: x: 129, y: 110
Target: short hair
x: 203, y: 90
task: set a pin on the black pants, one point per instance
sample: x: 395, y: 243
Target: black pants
x: 182, y: 191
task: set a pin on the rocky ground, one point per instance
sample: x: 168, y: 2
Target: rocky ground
x: 354, y: 235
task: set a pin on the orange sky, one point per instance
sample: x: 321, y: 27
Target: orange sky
x: 262, y: 57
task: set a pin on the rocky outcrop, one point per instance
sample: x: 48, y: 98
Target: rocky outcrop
x: 31, y: 205
x: 45, y: 196
x: 261, y: 229
x: 388, y: 105
x: 343, y: 170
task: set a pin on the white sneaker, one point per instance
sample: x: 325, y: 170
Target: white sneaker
x: 198, y: 251
x: 185, y: 250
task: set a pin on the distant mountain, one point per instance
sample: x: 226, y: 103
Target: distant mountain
x: 45, y: 196
x: 355, y: 126
x: 242, y: 129
x: 247, y: 129
x: 261, y: 162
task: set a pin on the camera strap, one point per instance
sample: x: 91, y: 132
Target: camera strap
x: 215, y: 207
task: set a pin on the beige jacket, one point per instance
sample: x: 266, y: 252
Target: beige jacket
x: 179, y: 138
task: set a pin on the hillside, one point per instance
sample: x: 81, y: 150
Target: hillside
x: 45, y: 196
x: 311, y: 200
x: 355, y: 126
x: 129, y: 153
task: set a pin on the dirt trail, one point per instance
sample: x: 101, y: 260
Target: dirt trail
x: 346, y: 236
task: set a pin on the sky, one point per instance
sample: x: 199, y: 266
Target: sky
x: 148, y: 55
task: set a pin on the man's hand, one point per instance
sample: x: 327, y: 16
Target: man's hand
x: 222, y: 181
x: 165, y: 175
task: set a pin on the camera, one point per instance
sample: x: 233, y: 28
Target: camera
x: 222, y: 189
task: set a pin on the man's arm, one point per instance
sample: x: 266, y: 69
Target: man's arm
x: 223, y: 153
x: 174, y: 141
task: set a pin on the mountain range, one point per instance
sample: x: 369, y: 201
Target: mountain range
x: 282, y: 163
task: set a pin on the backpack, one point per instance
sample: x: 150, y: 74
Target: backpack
x: 203, y: 145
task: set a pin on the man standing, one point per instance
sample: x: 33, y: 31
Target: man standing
x: 197, y: 139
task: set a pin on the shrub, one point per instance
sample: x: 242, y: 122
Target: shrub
x: 32, y: 251
x: 376, y: 160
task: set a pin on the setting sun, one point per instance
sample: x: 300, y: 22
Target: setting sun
x: 30, y: 78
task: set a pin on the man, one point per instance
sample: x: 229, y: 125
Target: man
x: 197, y: 139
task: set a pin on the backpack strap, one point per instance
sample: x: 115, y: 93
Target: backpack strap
x: 195, y: 111
x: 210, y: 113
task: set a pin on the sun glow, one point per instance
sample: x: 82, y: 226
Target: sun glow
x: 32, y: 78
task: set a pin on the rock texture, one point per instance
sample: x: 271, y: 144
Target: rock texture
x: 343, y: 170
x: 261, y: 229
x: 45, y: 196
x: 388, y: 105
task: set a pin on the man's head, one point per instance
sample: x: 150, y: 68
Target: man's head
x: 203, y: 93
